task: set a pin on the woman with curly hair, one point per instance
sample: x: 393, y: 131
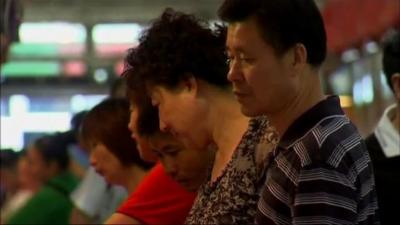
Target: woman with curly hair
x: 182, y: 64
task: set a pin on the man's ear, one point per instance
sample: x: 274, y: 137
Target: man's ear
x: 299, y: 59
x: 395, y: 79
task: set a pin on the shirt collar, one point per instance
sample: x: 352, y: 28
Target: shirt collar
x: 327, y: 107
x: 386, y: 133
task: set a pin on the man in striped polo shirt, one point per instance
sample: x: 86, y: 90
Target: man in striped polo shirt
x: 321, y: 172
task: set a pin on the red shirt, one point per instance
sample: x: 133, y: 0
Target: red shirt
x: 158, y: 200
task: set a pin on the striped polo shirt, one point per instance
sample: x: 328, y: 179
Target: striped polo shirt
x: 320, y: 173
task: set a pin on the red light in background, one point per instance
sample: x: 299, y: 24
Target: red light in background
x: 74, y: 68
x: 112, y: 50
x: 118, y: 68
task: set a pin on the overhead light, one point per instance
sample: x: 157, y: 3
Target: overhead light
x: 100, y: 75
x: 371, y: 47
x: 350, y: 55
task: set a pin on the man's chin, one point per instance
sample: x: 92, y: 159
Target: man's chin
x: 249, y: 112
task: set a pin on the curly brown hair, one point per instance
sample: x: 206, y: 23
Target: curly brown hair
x: 178, y: 46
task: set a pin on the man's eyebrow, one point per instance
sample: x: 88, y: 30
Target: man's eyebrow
x: 238, y: 49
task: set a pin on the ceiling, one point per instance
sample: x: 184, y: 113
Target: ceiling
x: 98, y: 11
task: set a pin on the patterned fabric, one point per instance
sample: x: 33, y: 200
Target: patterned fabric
x: 320, y: 173
x: 232, y: 198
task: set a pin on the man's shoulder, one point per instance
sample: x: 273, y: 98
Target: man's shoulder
x: 330, y: 142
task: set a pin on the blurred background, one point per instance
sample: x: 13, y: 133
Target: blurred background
x: 67, y: 53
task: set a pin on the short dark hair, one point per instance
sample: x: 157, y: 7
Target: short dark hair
x: 8, y: 159
x: 178, y: 46
x: 54, y: 148
x: 282, y: 23
x: 391, y: 55
x: 10, y: 18
x: 108, y: 123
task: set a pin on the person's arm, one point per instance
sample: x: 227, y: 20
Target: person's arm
x: 119, y: 218
x: 78, y: 217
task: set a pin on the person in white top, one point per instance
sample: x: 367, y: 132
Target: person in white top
x: 384, y: 143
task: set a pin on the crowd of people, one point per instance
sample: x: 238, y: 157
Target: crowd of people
x: 217, y: 125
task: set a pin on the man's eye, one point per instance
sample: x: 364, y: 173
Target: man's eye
x: 171, y: 151
x: 229, y: 60
x: 246, y: 59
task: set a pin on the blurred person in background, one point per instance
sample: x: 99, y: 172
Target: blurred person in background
x: 10, y: 19
x: 27, y: 187
x: 78, y: 155
x: 48, y: 162
x: 320, y: 172
x: 8, y: 174
x: 113, y: 152
x: 95, y: 200
x: 182, y: 62
x: 384, y: 143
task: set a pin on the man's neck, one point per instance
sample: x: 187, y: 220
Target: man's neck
x: 308, y: 96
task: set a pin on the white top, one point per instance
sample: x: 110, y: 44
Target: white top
x: 386, y: 133
x: 96, y: 198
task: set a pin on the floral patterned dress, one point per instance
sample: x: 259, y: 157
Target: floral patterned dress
x: 232, y: 198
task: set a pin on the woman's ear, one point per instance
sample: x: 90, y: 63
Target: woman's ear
x: 190, y: 85
x: 395, y: 79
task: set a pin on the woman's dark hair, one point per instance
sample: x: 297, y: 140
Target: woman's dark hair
x: 391, y: 55
x: 54, y: 148
x: 147, y: 121
x: 118, y: 88
x: 282, y: 23
x: 178, y: 46
x: 107, y: 123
